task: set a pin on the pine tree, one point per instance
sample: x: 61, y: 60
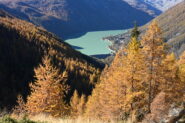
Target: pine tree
x: 135, y: 32
x: 154, y: 49
x: 48, y: 91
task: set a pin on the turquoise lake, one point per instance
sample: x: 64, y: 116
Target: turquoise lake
x: 92, y: 43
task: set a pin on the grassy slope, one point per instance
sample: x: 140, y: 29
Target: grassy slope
x: 46, y: 119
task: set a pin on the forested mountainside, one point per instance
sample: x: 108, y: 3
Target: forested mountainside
x: 22, y: 48
x: 50, y: 81
x: 5, y: 14
x: 144, y: 83
x: 68, y: 17
x: 172, y: 23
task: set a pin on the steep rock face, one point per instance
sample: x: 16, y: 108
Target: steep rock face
x: 68, y: 17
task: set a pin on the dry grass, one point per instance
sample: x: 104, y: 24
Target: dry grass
x: 78, y: 120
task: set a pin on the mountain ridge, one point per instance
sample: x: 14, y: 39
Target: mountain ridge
x: 172, y: 23
x: 162, y: 5
x: 66, y: 17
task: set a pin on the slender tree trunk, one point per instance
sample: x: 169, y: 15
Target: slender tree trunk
x: 149, y: 97
x: 150, y: 81
x: 132, y: 88
x: 150, y: 87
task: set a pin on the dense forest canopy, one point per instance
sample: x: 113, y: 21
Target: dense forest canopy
x: 22, y: 47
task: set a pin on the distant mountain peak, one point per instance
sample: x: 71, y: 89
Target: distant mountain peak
x: 143, y: 6
x: 172, y: 23
x: 162, y: 5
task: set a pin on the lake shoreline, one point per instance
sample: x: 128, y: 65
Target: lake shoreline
x: 94, y: 43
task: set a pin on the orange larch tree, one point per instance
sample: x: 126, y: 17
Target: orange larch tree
x: 121, y: 88
x: 107, y: 100
x: 171, y: 83
x: 181, y: 74
x: 48, y: 91
x: 134, y: 77
x: 77, y: 104
x: 74, y: 104
x: 154, y: 50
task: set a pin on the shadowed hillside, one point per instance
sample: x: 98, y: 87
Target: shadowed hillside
x: 68, y: 17
x: 23, y: 45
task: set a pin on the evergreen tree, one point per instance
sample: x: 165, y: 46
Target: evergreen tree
x: 48, y: 91
x: 135, y: 32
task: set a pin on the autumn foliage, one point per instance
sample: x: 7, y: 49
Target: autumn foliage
x: 121, y: 88
x: 140, y: 85
x: 139, y: 72
x: 48, y: 91
x: 77, y: 105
